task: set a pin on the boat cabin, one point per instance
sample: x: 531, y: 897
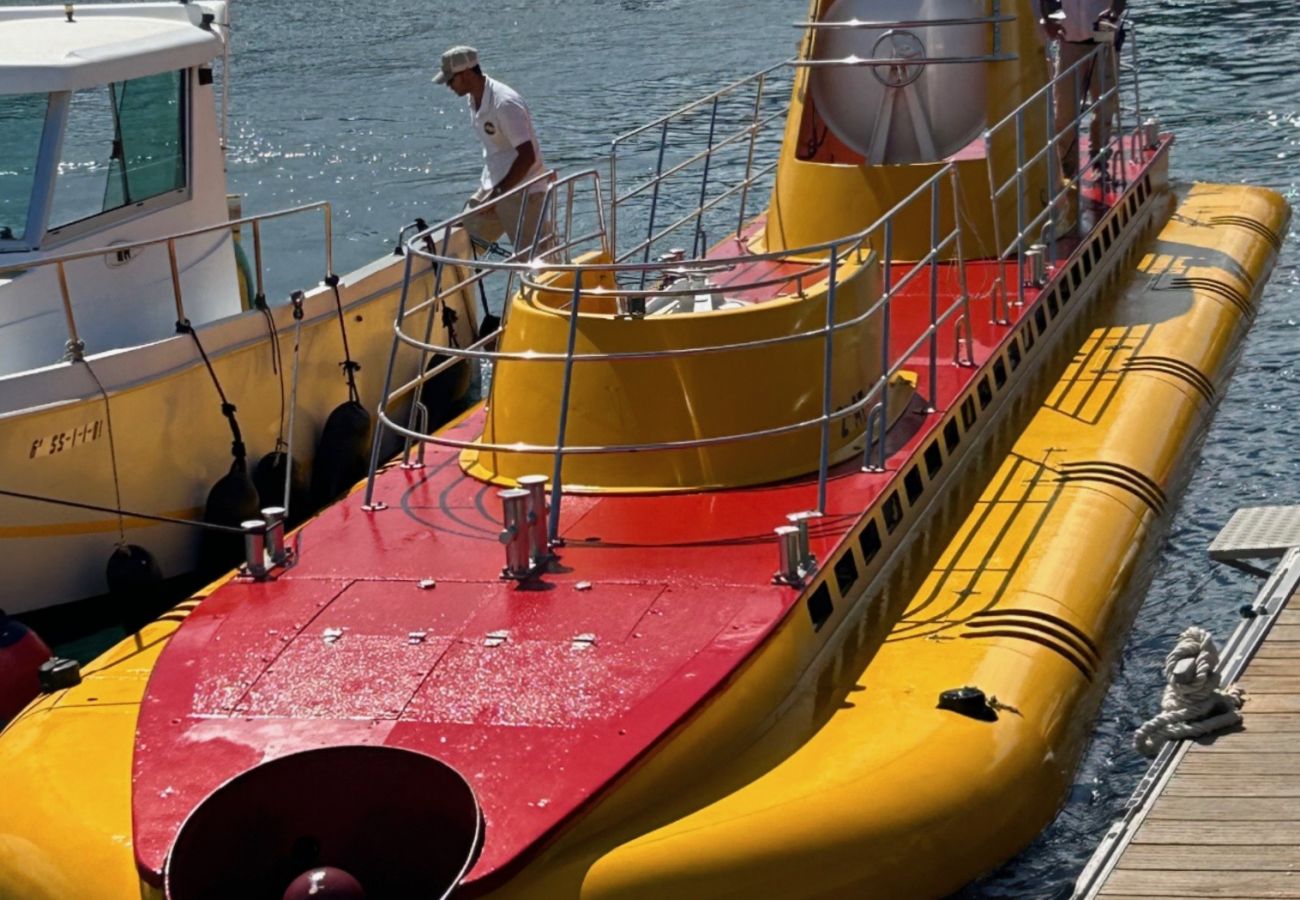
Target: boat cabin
x: 110, y: 134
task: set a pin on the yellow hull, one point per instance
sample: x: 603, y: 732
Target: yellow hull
x: 855, y: 784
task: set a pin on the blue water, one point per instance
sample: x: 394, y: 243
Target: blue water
x: 333, y: 101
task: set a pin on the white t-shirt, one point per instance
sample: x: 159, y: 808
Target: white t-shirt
x: 1080, y: 15
x: 502, y: 123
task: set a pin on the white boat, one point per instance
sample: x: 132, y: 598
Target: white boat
x: 115, y: 241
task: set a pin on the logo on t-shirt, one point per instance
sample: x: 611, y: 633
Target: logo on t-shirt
x: 489, y: 128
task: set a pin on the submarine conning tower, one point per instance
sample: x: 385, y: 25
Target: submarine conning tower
x: 767, y: 353
x: 864, y: 131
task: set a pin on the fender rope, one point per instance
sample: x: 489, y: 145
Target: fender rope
x: 349, y: 367
x: 237, y: 449
x: 1193, y: 703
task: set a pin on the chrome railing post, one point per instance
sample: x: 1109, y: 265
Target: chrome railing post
x: 654, y: 198
x: 1053, y: 183
x: 964, y: 299
x: 1076, y: 146
x: 613, y: 199
x: 428, y: 333
x: 934, y: 293
x: 823, y: 463
x: 749, y: 160
x: 884, y: 337
x: 553, y: 526
x: 388, y: 383
x: 329, y: 238
x: 704, y: 182
x: 1020, y: 207
x: 257, y: 259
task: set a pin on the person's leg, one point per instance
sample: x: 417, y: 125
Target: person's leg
x: 523, y: 220
x: 1068, y: 93
x: 1103, y: 79
x: 483, y: 224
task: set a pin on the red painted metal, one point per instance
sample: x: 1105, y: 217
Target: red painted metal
x: 541, y: 695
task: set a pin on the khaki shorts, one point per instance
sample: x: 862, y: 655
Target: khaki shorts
x: 517, y: 217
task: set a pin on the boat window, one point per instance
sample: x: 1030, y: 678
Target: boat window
x: 124, y: 144
x: 22, y: 118
x: 933, y: 458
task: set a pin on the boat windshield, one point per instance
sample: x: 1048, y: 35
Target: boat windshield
x: 22, y: 119
x: 124, y: 144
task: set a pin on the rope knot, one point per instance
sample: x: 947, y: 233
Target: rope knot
x: 1192, y: 703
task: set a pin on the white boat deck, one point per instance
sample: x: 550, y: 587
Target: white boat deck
x: 1220, y: 816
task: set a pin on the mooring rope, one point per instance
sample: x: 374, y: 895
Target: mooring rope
x: 112, y: 451
x: 296, y: 299
x: 350, y: 367
x: 169, y: 520
x: 1193, y: 704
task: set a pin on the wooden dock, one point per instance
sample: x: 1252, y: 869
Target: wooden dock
x: 1220, y: 817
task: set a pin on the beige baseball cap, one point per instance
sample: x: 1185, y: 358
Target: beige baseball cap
x: 457, y: 59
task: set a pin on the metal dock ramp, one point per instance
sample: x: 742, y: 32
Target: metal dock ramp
x: 1220, y: 817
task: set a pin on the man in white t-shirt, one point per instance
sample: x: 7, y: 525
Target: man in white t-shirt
x: 511, y: 153
x: 1074, y: 27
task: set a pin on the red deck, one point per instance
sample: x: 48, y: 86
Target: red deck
x: 586, y: 680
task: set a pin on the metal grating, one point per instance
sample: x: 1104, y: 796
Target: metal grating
x: 1258, y: 532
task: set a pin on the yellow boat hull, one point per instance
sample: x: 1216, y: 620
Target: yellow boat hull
x: 857, y: 785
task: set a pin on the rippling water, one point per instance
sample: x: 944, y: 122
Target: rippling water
x: 333, y: 101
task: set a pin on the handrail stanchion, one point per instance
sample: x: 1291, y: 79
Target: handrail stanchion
x: 257, y: 258
x: 934, y: 292
x: 1020, y: 207
x: 749, y: 160
x: 884, y: 336
x: 823, y: 463
x: 388, y: 384
x: 428, y: 333
x: 1076, y: 146
x: 1053, y: 188
x: 1117, y: 119
x: 176, y: 280
x: 329, y: 238
x: 964, y: 299
x: 999, y: 306
x: 654, y: 199
x: 704, y: 182
x: 553, y: 526
x: 613, y: 199
x: 75, y: 348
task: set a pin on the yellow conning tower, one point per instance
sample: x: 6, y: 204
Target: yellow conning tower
x: 860, y: 138
x: 682, y: 381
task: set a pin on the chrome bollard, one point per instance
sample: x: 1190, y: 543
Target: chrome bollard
x: 254, y: 547
x: 787, y: 540
x: 1036, y: 256
x: 274, y: 516
x: 1151, y: 133
x: 807, y: 562
x: 539, y: 544
x: 515, y: 534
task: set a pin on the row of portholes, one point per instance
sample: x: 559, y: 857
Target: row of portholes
x: 846, y: 569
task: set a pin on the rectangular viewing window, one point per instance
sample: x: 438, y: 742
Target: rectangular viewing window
x: 22, y: 121
x: 124, y: 144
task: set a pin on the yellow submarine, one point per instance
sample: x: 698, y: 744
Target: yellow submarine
x: 945, y: 393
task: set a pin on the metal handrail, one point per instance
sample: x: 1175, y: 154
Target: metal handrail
x: 75, y: 345
x: 840, y: 250
x: 1047, y: 152
x: 885, y: 62
x: 852, y: 24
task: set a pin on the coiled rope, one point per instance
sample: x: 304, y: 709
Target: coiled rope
x: 1193, y: 704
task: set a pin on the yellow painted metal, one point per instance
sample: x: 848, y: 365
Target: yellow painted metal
x: 843, y: 780
x: 65, y: 822
x: 679, y: 398
x: 856, y: 785
x: 815, y: 202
